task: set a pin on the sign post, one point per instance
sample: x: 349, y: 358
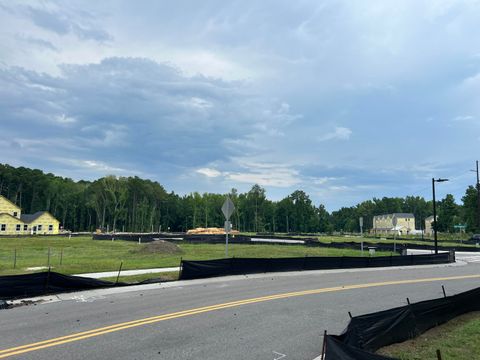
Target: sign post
x: 227, y: 210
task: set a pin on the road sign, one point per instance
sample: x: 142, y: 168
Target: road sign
x: 228, y: 208
x: 360, y: 220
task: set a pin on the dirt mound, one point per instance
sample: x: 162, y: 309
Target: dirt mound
x: 209, y: 231
x: 159, y: 247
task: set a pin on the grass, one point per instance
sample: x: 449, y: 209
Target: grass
x: 131, y: 279
x: 444, y: 239
x: 457, y: 340
x: 82, y: 254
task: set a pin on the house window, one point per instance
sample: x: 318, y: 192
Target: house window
x: 15, y: 214
x: 39, y: 227
x: 50, y: 227
x: 18, y: 227
x: 3, y: 227
x: 25, y: 227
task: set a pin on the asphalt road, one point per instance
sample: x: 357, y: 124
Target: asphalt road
x: 197, y: 319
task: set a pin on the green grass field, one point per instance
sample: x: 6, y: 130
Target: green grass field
x: 457, y: 340
x: 358, y: 239
x: 130, y: 279
x: 82, y: 254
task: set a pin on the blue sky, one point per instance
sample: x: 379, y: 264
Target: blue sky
x: 347, y: 100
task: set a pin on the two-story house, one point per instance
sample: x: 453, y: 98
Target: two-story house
x: 400, y: 223
x: 13, y: 222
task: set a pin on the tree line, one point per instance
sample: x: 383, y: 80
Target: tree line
x: 138, y: 205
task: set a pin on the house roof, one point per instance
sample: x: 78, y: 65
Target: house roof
x: 398, y: 215
x: 403, y: 215
x: 3, y: 197
x: 4, y: 213
x: 27, y: 218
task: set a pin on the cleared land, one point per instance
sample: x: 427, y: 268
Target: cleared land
x: 457, y: 340
x: 82, y: 254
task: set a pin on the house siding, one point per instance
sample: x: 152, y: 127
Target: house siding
x: 10, y: 223
x: 45, y: 220
x: 10, y: 208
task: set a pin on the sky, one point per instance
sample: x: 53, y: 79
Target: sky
x: 346, y: 100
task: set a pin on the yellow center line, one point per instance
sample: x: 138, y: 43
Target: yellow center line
x: 154, y: 319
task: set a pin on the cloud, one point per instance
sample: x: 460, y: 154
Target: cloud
x: 463, y: 118
x: 65, y: 20
x: 37, y: 42
x: 208, y: 172
x: 277, y: 178
x: 126, y: 109
x: 264, y: 174
x: 340, y: 133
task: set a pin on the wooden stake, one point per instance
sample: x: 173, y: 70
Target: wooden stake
x: 119, y: 270
x: 324, y: 345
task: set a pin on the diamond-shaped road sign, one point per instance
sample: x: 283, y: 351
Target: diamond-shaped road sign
x: 227, y: 208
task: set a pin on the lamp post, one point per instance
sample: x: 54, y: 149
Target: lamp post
x: 435, y: 212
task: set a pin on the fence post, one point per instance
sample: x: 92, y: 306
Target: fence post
x: 119, y: 270
x: 324, y: 345
x: 439, y: 355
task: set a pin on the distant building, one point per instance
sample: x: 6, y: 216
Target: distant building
x: 12, y: 222
x: 400, y: 223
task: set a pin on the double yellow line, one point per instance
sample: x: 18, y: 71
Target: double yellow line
x: 154, y: 319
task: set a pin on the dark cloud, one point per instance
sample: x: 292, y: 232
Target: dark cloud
x: 49, y: 21
x: 132, y: 110
x: 67, y: 21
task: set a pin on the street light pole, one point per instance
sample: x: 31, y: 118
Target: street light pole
x: 435, y: 213
x: 478, y: 199
x: 434, y: 217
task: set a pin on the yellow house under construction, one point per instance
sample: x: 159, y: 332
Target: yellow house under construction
x: 12, y: 222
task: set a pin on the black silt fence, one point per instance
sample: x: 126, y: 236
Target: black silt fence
x: 240, y: 266
x: 29, y: 285
x: 144, y: 237
x: 368, y: 333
